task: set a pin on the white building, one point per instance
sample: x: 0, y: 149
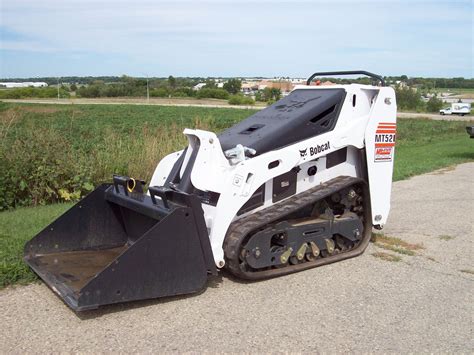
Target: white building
x: 199, y: 86
x: 25, y: 84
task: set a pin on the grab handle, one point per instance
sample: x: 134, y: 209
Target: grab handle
x: 351, y: 72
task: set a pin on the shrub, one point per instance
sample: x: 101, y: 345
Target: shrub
x: 241, y: 100
x: 179, y: 93
x: 434, y: 104
x: 41, y: 167
x: 31, y: 92
x: 90, y: 91
x: 408, y: 98
x: 212, y: 94
x: 159, y: 92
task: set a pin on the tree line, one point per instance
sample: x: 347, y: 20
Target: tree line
x: 455, y: 83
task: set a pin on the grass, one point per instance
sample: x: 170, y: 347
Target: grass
x: 446, y: 237
x: 455, y: 90
x: 133, y: 138
x: 386, y: 256
x: 16, y: 228
x: 396, y: 242
x: 51, y: 152
x: 426, y: 145
x: 396, y: 245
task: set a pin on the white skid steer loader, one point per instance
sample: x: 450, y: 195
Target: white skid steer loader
x: 298, y: 184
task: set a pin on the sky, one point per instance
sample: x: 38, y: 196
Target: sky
x: 235, y: 38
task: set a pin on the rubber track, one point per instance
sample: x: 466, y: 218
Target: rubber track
x: 240, y: 229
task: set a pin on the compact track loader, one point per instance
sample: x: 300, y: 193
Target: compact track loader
x: 297, y: 185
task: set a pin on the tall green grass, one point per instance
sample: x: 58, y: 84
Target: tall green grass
x: 51, y: 153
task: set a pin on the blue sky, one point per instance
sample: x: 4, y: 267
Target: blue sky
x: 235, y: 38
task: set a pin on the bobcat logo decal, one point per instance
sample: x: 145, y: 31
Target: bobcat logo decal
x: 303, y: 152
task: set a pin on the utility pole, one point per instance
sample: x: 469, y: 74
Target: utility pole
x: 58, y: 88
x: 147, y: 91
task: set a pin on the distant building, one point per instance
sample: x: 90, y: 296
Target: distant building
x: 199, y: 86
x: 249, y: 87
x: 284, y: 86
x: 36, y: 84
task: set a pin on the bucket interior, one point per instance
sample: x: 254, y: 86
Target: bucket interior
x: 86, y: 240
x: 76, y: 268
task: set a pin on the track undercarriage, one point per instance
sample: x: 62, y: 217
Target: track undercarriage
x: 325, y: 224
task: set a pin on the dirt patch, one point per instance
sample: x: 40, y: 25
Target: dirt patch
x: 8, y: 115
x: 38, y: 109
x: 7, y: 119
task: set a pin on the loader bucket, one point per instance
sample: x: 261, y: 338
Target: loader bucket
x: 115, y: 246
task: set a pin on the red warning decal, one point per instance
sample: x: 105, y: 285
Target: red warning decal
x: 385, y: 136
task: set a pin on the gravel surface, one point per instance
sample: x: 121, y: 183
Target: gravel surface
x: 422, y: 303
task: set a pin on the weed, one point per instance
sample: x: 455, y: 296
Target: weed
x: 387, y: 256
x: 446, y: 237
x: 395, y: 242
x: 396, y: 249
x: 52, y: 153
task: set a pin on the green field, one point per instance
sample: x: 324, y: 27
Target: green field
x: 455, y: 91
x: 461, y: 91
x: 46, y: 149
x: 54, y: 153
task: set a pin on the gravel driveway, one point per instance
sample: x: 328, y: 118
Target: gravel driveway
x: 421, y: 303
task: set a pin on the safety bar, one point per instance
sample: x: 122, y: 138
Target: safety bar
x: 350, y: 72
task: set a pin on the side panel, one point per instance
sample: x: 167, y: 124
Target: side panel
x: 380, y: 138
x: 163, y: 169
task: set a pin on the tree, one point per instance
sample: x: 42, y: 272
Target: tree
x: 210, y: 84
x: 434, y: 104
x: 73, y: 87
x: 233, y: 86
x: 408, y: 98
x: 271, y: 94
x: 171, y: 81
